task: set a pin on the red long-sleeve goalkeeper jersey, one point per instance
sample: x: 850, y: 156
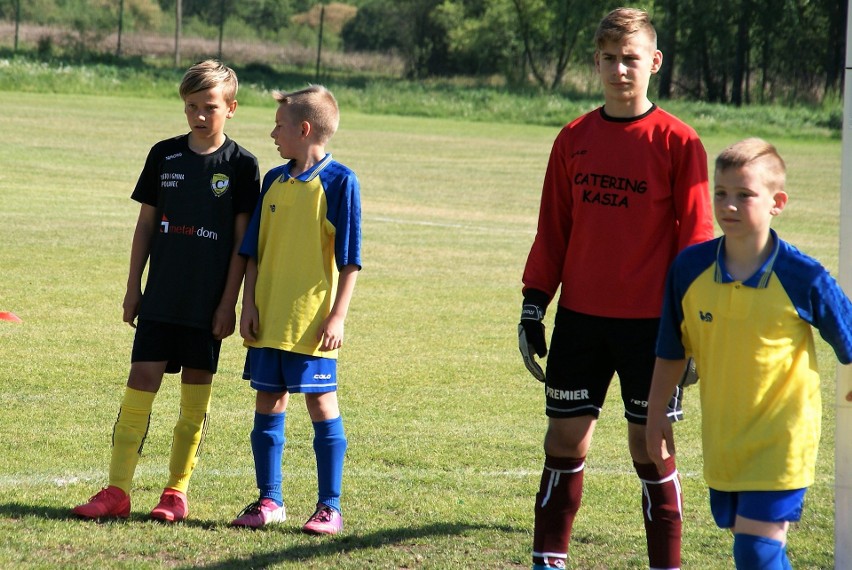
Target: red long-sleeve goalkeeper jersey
x: 621, y: 198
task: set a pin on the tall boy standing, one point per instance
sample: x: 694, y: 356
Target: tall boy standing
x: 625, y: 190
x: 743, y: 306
x: 196, y: 193
x: 304, y: 252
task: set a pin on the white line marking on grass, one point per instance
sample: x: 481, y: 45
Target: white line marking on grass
x: 100, y: 477
x: 405, y: 222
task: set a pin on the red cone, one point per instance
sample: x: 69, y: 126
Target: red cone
x: 11, y: 317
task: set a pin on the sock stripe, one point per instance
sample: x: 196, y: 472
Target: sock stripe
x: 561, y: 555
x: 144, y: 437
x: 672, y: 476
x: 560, y: 471
x: 129, y: 433
x: 647, y: 494
x: 555, y: 476
x: 554, y: 481
x: 204, y: 425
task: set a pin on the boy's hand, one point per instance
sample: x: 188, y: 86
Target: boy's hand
x: 130, y: 306
x: 224, y: 322
x: 659, y: 437
x: 249, y: 322
x: 330, y: 334
x: 531, y: 338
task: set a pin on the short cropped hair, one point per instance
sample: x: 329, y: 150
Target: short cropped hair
x: 755, y: 152
x: 623, y: 22
x: 316, y: 105
x: 209, y: 74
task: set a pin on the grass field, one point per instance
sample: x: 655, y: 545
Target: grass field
x: 444, y: 422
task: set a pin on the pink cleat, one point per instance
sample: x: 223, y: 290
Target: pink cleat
x: 325, y: 520
x: 110, y: 502
x: 172, y: 507
x: 260, y: 513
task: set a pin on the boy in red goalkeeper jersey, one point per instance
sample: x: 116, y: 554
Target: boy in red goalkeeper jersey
x: 625, y: 190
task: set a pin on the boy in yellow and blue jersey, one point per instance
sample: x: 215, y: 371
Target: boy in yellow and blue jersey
x: 743, y: 305
x: 303, y: 246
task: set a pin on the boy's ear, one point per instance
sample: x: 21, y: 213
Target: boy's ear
x: 306, y: 129
x: 232, y: 108
x: 780, y: 199
x: 657, y: 61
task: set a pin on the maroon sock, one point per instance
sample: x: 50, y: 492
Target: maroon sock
x: 662, y: 509
x: 556, y: 505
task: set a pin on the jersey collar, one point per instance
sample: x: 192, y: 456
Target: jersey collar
x: 760, y: 279
x: 309, y: 174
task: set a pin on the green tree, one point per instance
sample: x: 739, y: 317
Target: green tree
x: 91, y: 21
x: 551, y: 31
x: 837, y: 12
x: 518, y: 38
x: 375, y: 27
x: 268, y: 17
x: 667, y: 27
x: 480, y: 37
x: 40, y: 11
x: 737, y: 51
x: 405, y: 26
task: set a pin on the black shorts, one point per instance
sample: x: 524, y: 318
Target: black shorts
x: 585, y: 353
x: 178, y: 345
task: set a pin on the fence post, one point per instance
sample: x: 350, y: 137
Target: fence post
x: 178, y: 19
x: 319, y: 42
x: 17, y: 22
x: 120, y: 26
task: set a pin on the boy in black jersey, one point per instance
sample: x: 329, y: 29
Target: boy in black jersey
x: 197, y: 192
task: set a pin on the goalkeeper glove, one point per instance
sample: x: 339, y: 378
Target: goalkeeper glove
x: 531, y: 337
x: 690, y: 376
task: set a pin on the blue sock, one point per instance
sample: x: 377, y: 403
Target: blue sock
x: 785, y: 561
x: 267, y: 446
x: 758, y: 553
x: 330, y: 448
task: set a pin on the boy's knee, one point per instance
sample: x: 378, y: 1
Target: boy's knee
x: 271, y: 402
x: 758, y: 552
x: 268, y: 430
x: 189, y: 427
x: 124, y: 435
x: 322, y: 407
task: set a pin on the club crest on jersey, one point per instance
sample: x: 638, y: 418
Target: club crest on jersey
x: 220, y: 184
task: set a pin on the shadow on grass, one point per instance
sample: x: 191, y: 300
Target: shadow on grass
x: 312, y: 547
x: 317, y: 547
x: 19, y: 510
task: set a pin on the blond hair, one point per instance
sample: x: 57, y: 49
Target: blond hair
x: 209, y: 74
x: 316, y: 105
x: 623, y: 22
x: 755, y: 152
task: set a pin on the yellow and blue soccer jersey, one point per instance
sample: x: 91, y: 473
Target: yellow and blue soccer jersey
x: 754, y: 353
x: 303, y: 231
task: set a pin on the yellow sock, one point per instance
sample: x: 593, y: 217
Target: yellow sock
x: 128, y: 436
x: 188, y: 434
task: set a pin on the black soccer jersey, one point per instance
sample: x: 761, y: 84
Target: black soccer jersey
x: 197, y: 199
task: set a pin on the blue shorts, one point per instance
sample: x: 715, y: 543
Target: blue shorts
x: 177, y: 345
x: 273, y: 370
x: 765, y: 506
